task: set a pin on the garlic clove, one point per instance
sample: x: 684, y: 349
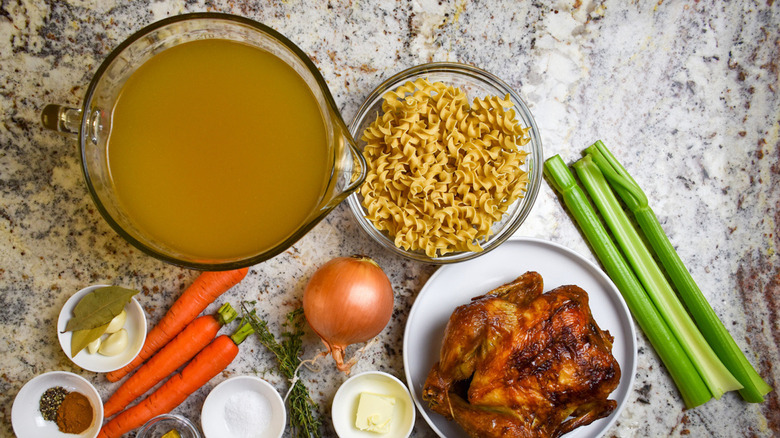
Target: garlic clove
x: 114, y: 344
x: 117, y: 323
x: 93, y: 346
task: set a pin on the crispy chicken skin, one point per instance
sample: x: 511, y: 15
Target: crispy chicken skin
x: 517, y: 362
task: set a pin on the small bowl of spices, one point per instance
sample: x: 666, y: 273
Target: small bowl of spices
x: 57, y: 404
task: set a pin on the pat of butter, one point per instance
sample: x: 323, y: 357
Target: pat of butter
x: 374, y: 412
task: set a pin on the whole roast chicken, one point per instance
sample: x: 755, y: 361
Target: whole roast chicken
x: 517, y: 362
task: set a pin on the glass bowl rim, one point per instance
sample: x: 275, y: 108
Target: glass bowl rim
x: 176, y: 418
x: 535, y: 166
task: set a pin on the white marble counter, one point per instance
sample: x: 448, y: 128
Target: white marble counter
x: 685, y: 93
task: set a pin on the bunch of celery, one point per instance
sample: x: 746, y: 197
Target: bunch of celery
x: 699, y: 353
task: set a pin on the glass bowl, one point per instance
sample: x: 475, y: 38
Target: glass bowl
x: 162, y: 424
x: 475, y: 83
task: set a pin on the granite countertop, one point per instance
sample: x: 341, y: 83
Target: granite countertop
x: 685, y: 93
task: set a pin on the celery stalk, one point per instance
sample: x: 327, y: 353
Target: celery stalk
x: 691, y: 386
x: 717, y: 377
x: 716, y: 334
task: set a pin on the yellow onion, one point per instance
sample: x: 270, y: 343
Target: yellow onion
x: 348, y: 300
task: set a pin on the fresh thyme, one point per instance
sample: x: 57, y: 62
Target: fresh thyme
x: 304, y: 422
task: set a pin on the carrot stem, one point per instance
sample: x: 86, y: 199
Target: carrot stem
x: 225, y: 314
x: 239, y: 335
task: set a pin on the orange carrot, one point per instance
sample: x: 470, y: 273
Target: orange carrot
x: 202, y: 292
x: 176, y: 353
x: 207, y: 364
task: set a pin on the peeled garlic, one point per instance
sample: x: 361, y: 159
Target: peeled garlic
x: 117, y: 323
x: 114, y: 343
x: 93, y: 346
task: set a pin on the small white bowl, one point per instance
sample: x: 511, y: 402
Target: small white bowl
x: 26, y: 416
x: 136, y: 331
x: 213, y: 419
x: 345, y: 404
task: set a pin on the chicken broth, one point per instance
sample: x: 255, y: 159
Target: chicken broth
x: 217, y: 149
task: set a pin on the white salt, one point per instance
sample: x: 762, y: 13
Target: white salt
x: 247, y: 414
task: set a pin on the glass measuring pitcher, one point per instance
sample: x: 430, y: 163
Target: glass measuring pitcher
x: 278, y: 157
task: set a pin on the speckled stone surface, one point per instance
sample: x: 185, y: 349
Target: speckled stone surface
x: 685, y: 93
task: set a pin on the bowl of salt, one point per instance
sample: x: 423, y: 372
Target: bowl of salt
x: 243, y: 407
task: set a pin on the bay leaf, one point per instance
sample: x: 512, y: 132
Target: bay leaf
x: 99, y: 307
x: 82, y: 338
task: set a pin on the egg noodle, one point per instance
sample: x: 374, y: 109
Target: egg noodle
x: 441, y: 171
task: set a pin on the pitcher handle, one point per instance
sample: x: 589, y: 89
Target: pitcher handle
x: 359, y: 167
x: 61, y: 118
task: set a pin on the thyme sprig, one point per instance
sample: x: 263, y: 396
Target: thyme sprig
x: 303, y: 419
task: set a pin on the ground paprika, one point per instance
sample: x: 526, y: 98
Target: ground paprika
x: 75, y: 413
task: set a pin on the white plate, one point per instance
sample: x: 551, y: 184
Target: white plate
x: 345, y: 404
x: 212, y: 418
x: 454, y: 285
x: 136, y: 331
x: 26, y: 416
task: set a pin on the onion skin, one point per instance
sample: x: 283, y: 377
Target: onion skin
x: 348, y: 300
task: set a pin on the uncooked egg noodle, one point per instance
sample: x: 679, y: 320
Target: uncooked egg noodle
x: 441, y: 171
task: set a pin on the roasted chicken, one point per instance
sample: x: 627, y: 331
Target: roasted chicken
x: 517, y: 362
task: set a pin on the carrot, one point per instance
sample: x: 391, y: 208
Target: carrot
x: 202, y: 292
x: 176, y: 353
x: 207, y: 364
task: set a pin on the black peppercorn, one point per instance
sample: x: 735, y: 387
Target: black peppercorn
x: 50, y: 402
